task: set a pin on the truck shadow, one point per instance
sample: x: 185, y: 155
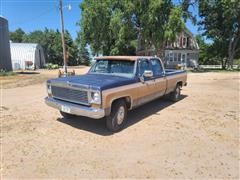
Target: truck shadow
x: 134, y: 116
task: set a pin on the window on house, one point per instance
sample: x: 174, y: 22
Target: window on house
x: 184, y: 42
x: 175, y: 57
x: 166, y: 57
x: 178, y: 42
x: 170, y: 56
x: 179, y: 57
x: 188, y: 42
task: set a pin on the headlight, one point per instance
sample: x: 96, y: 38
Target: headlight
x: 49, y: 89
x: 95, y: 97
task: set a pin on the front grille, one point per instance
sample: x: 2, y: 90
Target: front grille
x: 71, y: 95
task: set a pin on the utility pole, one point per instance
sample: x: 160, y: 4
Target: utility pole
x: 63, y: 40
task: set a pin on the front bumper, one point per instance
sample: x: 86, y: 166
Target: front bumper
x: 76, y: 109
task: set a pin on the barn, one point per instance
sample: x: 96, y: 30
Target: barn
x: 27, y: 56
x: 5, y: 56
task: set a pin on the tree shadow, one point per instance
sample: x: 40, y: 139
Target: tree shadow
x: 134, y: 116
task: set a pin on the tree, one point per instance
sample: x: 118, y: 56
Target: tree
x: 71, y: 48
x: 112, y: 27
x: 156, y: 21
x: 209, y: 53
x: 104, y: 28
x: 17, y: 36
x: 203, y: 55
x: 220, y: 20
x: 83, y: 55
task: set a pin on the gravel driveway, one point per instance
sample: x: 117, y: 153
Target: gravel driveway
x: 197, y: 137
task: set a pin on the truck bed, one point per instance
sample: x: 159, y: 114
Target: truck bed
x: 170, y: 72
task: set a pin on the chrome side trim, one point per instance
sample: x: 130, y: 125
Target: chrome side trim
x: 75, y: 109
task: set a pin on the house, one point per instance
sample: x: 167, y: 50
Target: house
x: 27, y: 56
x: 5, y: 56
x: 183, y: 51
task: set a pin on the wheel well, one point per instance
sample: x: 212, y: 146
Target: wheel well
x: 180, y: 83
x: 126, y: 99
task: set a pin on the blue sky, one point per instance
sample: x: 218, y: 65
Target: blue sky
x: 32, y: 15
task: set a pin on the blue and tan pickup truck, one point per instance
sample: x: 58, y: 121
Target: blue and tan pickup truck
x: 113, y: 86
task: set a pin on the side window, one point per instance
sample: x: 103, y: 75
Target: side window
x: 144, y: 65
x: 157, y: 67
x: 101, y: 67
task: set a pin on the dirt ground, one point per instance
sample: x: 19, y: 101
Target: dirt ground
x: 197, y: 137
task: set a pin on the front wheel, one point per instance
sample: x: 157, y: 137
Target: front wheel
x: 175, y: 95
x: 117, y: 118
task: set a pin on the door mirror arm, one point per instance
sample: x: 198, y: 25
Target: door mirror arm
x: 142, y: 79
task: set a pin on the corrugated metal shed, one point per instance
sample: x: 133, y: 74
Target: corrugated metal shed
x: 5, y: 57
x: 27, y: 56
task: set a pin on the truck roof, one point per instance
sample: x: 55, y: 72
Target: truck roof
x: 124, y: 58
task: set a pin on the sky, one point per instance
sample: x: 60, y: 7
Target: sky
x: 31, y: 15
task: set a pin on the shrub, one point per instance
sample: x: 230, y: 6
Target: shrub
x: 51, y: 66
x: 237, y: 62
x: 7, y: 73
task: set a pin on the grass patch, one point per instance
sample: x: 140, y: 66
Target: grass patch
x: 213, y: 70
x: 7, y: 73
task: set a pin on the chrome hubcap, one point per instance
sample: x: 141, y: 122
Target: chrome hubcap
x: 120, y: 115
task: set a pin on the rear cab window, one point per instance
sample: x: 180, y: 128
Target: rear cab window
x: 156, y: 67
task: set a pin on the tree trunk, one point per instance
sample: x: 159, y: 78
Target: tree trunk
x: 223, y: 64
x: 230, y: 62
x: 232, y: 48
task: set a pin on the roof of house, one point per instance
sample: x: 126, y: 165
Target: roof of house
x: 24, y: 45
x: 126, y: 58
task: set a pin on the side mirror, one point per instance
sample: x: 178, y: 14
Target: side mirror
x: 148, y: 74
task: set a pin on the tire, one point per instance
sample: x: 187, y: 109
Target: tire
x: 175, y: 95
x: 66, y: 115
x: 117, y: 118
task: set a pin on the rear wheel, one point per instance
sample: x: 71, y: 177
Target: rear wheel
x: 117, y: 118
x: 66, y: 115
x: 175, y: 95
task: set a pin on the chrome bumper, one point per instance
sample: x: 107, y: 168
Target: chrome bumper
x: 76, y: 109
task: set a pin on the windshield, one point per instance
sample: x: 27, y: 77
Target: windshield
x: 114, y: 67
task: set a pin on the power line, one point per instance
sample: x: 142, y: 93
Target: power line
x: 34, y: 18
x: 30, y: 20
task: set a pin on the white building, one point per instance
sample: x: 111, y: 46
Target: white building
x: 27, y: 56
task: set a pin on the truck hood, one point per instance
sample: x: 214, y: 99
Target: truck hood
x: 95, y: 81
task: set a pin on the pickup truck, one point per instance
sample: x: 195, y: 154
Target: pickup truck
x: 114, y: 85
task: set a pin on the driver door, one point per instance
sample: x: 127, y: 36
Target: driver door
x: 146, y: 88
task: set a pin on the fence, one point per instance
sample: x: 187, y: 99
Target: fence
x: 215, y: 66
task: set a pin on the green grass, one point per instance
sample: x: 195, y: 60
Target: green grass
x: 7, y: 73
x: 213, y: 70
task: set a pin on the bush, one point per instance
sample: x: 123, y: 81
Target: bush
x: 237, y: 62
x: 51, y: 66
x: 7, y: 73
